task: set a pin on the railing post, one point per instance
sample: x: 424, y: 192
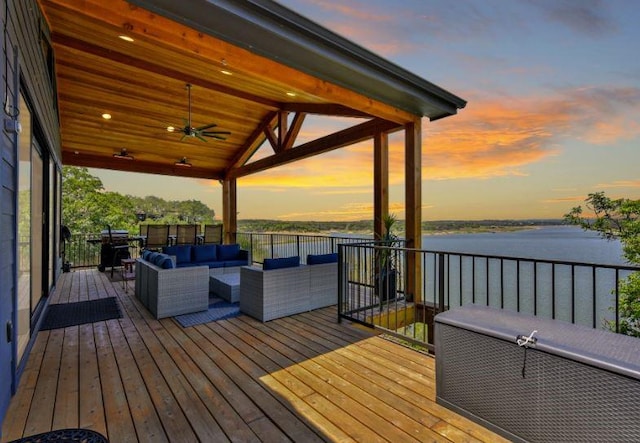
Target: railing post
x: 441, y: 306
x: 341, y: 282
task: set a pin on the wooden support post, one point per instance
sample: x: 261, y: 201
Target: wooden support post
x: 413, y: 208
x: 380, y: 182
x: 229, y: 210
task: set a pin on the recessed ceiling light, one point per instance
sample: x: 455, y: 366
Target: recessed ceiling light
x: 126, y: 38
x: 225, y: 72
x: 170, y: 128
x: 106, y: 116
x: 291, y: 94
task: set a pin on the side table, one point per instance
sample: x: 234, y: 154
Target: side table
x: 128, y: 272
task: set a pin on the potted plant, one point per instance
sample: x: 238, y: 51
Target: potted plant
x: 386, y: 272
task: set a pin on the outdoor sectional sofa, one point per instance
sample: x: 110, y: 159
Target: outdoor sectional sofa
x: 283, y: 287
x: 177, y: 282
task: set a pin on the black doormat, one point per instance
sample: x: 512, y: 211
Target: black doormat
x: 65, y: 435
x: 73, y: 314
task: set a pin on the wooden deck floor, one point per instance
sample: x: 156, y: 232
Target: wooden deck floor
x: 304, y: 378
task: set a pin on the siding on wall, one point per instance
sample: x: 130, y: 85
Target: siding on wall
x: 25, y: 26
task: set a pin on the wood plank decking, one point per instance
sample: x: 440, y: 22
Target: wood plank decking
x: 304, y: 378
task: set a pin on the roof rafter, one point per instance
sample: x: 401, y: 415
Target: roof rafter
x: 321, y: 145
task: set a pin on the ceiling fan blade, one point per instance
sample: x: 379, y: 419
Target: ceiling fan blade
x: 200, y: 137
x: 202, y: 128
x: 212, y: 133
x: 219, y: 137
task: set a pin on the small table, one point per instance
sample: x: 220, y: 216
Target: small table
x: 128, y: 272
x: 226, y: 286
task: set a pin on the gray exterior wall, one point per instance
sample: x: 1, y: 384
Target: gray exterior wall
x: 23, y: 28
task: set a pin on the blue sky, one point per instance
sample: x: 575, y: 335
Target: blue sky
x: 553, y: 91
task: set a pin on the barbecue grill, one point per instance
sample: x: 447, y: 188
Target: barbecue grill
x: 113, y: 248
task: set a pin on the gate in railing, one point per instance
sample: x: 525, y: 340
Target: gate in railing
x: 581, y: 293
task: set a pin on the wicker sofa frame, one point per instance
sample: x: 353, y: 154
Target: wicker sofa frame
x: 169, y: 292
x: 267, y: 295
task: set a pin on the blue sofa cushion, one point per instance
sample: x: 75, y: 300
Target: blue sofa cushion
x: 212, y: 264
x: 231, y: 263
x: 182, y: 252
x: 204, y: 253
x: 145, y: 254
x: 228, y: 252
x: 152, y: 257
x: 280, y: 263
x: 320, y: 259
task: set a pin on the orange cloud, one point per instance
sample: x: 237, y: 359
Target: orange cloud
x: 492, y: 137
x: 564, y: 199
x: 348, y: 212
x: 620, y: 184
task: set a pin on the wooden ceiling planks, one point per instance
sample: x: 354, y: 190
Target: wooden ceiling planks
x: 142, y: 85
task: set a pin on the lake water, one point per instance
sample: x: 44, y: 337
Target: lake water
x: 563, y: 243
x: 567, y: 293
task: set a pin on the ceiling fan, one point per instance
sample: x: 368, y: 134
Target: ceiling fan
x: 201, y: 131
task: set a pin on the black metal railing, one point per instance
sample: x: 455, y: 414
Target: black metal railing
x: 265, y: 245
x: 581, y: 293
x: 83, y: 250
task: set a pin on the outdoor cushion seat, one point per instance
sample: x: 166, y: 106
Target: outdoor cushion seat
x: 319, y: 259
x: 280, y: 263
x: 213, y: 256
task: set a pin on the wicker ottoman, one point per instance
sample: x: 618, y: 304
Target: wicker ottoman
x: 226, y: 286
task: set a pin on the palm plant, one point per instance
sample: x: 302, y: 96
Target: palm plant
x: 385, y: 264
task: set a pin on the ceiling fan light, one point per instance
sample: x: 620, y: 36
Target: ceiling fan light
x: 183, y: 163
x: 123, y: 155
x: 171, y: 128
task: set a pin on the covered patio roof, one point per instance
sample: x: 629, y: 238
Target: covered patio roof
x: 256, y: 70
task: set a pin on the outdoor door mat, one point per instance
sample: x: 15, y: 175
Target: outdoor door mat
x: 219, y: 309
x: 73, y: 314
x: 65, y: 435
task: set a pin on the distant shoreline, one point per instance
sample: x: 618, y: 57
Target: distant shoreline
x: 365, y: 227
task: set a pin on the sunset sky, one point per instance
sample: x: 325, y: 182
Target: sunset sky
x: 553, y: 113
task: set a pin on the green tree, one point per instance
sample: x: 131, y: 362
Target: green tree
x: 617, y: 218
x: 87, y: 208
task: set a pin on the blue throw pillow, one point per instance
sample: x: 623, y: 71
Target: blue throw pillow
x: 152, y: 257
x: 204, y: 253
x: 166, y: 263
x: 158, y: 259
x: 280, y: 263
x: 228, y: 252
x: 182, y: 252
x: 145, y: 254
x: 320, y: 259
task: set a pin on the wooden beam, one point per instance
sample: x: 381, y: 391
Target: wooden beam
x: 283, y: 128
x: 102, y: 162
x: 380, y: 182
x: 294, y: 130
x: 328, y: 143
x: 413, y: 207
x: 270, y: 134
x: 254, y: 141
x: 325, y: 109
x: 229, y: 210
